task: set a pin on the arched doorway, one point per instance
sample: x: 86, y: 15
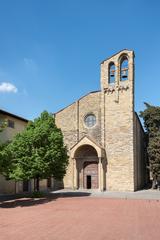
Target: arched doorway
x: 87, y: 167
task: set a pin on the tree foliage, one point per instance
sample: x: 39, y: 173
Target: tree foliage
x: 3, y: 125
x: 3, y: 153
x: 151, y: 117
x: 4, y: 159
x: 38, y: 152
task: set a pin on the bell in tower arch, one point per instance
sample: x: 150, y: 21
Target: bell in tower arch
x: 112, y: 72
x: 124, y: 73
x: 124, y: 69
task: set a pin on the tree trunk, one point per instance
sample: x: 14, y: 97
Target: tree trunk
x: 154, y: 183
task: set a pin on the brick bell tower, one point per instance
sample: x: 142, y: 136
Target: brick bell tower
x: 117, y: 120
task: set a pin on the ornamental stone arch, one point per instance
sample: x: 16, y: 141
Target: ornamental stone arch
x: 88, y: 165
x: 86, y: 141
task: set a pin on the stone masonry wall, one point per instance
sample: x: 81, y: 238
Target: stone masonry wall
x: 140, y: 156
x: 117, y: 125
x: 71, y: 122
x: 115, y: 128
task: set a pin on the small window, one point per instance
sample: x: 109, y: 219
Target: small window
x: 10, y: 123
x: 124, y: 69
x: 112, y: 72
x: 90, y: 120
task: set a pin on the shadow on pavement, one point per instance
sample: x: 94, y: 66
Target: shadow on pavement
x: 13, y: 201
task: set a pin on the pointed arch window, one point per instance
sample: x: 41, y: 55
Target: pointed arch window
x: 124, y: 69
x: 112, y: 72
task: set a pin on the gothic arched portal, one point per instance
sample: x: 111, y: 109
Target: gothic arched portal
x: 87, y: 167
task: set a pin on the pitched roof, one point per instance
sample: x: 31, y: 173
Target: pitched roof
x: 76, y: 101
x: 115, y: 54
x: 13, y: 115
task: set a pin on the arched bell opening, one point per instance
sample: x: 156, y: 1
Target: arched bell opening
x: 124, y: 68
x: 112, y: 73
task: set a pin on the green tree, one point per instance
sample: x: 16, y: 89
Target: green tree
x: 4, y: 159
x: 151, y: 117
x: 3, y: 153
x: 3, y: 125
x: 38, y: 152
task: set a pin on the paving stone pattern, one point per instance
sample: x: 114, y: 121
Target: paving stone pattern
x: 87, y: 218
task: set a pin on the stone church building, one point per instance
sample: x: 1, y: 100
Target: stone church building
x: 103, y: 133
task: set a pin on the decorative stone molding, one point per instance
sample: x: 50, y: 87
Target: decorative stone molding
x: 116, y: 88
x: 86, y: 141
x: 109, y: 90
x: 123, y: 88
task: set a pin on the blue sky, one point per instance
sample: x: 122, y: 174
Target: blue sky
x: 50, y: 51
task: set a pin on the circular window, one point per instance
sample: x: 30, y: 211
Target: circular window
x: 90, y: 120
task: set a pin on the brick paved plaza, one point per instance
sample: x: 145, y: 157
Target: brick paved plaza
x: 67, y: 218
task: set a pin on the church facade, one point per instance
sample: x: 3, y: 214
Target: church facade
x: 104, y: 136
